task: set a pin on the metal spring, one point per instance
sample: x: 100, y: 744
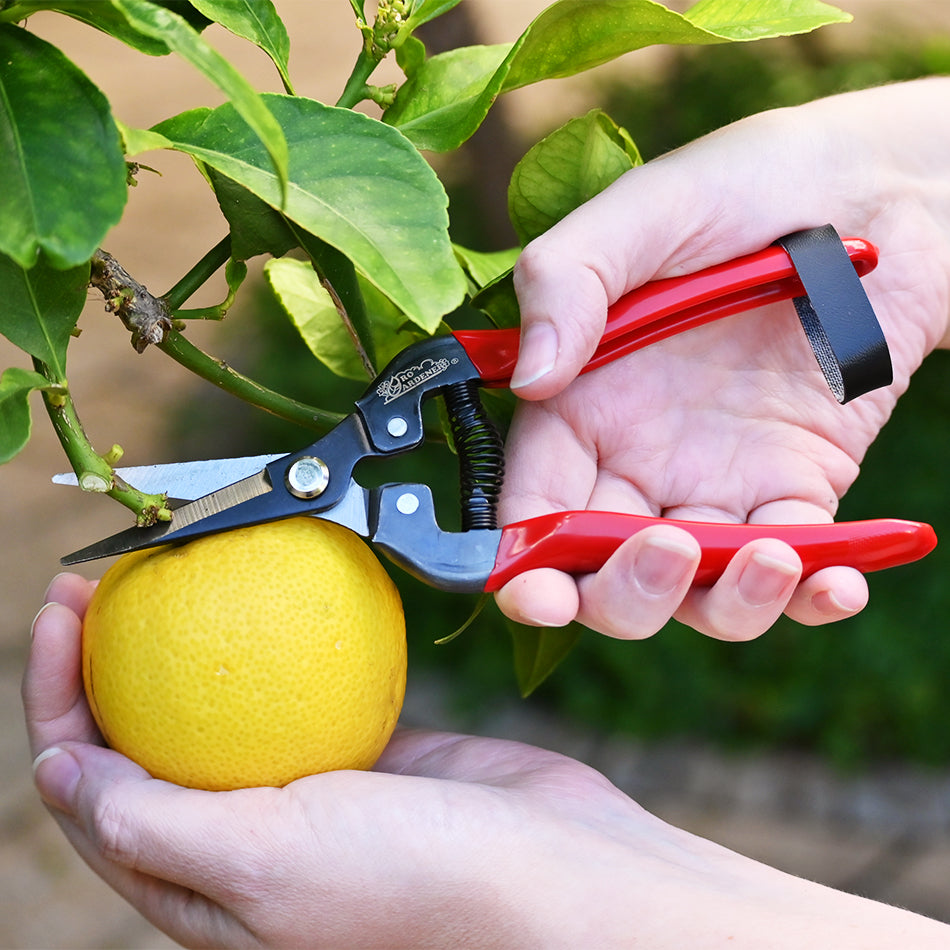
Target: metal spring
x: 480, y: 452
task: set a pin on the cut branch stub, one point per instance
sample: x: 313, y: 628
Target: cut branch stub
x: 144, y: 315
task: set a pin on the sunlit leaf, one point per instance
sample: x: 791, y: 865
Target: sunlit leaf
x: 425, y: 10
x: 257, y: 21
x: 566, y: 169
x: 135, y: 141
x: 355, y: 183
x: 62, y: 173
x: 182, y: 39
x: 314, y: 314
x: 756, y: 19
x: 447, y: 98
x: 484, y: 267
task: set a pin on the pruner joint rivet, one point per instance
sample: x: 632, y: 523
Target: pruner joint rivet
x: 308, y: 477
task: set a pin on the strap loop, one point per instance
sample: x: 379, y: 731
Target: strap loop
x: 836, y: 314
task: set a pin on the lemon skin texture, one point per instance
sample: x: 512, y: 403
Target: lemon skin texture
x: 252, y: 657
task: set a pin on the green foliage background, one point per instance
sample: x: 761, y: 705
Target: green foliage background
x: 871, y: 688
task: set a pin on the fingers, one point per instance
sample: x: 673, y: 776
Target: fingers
x: 53, y: 697
x: 648, y: 580
x: 750, y: 595
x: 631, y: 597
x: 828, y: 596
x: 541, y: 598
x: 640, y: 586
x: 152, y: 842
x: 674, y: 215
x: 71, y: 591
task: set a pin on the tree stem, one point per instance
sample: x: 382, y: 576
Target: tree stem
x: 218, y: 372
x: 199, y: 274
x: 355, y: 90
x: 94, y: 472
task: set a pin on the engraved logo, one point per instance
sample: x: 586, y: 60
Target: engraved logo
x: 408, y: 379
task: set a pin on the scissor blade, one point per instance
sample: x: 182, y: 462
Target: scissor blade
x: 246, y: 502
x: 185, y: 480
x: 203, y: 516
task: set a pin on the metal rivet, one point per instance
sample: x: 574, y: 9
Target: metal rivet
x: 407, y: 504
x: 308, y: 477
x: 397, y: 427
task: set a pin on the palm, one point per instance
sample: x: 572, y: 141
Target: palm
x: 236, y: 868
x: 731, y: 422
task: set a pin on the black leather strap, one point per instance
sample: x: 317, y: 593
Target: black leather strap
x: 836, y: 314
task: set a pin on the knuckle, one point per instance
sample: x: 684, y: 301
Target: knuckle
x: 112, y: 832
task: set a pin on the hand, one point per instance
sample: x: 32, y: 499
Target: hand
x: 452, y: 841
x: 733, y: 421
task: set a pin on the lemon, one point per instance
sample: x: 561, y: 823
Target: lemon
x: 252, y: 657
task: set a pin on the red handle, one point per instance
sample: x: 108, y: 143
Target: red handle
x: 581, y: 541
x: 665, y: 307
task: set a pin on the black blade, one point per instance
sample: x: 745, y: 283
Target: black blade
x: 231, y: 507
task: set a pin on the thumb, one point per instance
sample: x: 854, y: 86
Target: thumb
x: 563, y: 310
x: 566, y: 278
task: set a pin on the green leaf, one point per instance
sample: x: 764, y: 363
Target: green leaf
x: 107, y: 19
x: 539, y: 650
x: 257, y: 21
x: 447, y: 98
x: 312, y: 311
x: 425, y: 10
x: 256, y: 228
x: 40, y: 309
x: 182, y: 39
x: 15, y: 423
x: 355, y: 183
x: 566, y: 169
x: 485, y: 267
x: 135, y: 141
x: 410, y: 55
x: 61, y: 165
x: 755, y: 19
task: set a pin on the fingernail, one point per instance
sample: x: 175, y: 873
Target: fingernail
x: 39, y: 613
x: 764, y: 579
x: 51, y: 584
x: 537, y: 356
x: 57, y: 774
x: 661, y: 565
x: 540, y: 622
x: 828, y: 603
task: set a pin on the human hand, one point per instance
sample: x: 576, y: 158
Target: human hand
x: 452, y: 841
x: 733, y: 421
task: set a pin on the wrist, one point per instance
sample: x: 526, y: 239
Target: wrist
x: 628, y: 878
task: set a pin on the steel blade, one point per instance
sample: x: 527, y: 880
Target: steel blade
x: 190, y: 520
x: 185, y: 480
x: 199, y: 517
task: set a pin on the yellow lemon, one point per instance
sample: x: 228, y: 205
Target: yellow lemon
x: 252, y: 657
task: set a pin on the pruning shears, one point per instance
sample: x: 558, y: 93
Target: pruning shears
x: 399, y: 519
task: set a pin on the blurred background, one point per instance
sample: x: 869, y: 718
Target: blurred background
x: 823, y: 751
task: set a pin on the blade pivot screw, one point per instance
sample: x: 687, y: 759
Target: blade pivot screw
x: 308, y: 477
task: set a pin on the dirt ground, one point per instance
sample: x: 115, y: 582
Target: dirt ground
x: 886, y: 834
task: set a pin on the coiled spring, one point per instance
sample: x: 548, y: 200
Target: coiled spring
x: 480, y: 452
